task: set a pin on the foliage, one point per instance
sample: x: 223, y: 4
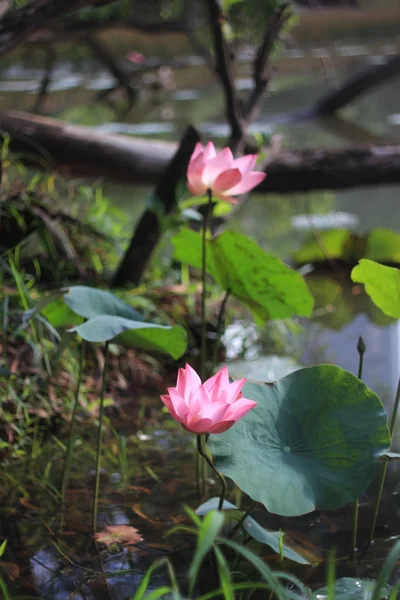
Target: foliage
x: 273, y: 539
x: 337, y: 303
x: 259, y: 280
x: 108, y: 318
x: 379, y: 244
x: 382, y: 284
x: 41, y: 216
x: 299, y: 449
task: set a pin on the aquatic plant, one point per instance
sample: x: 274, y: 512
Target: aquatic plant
x: 221, y: 174
x: 211, y: 407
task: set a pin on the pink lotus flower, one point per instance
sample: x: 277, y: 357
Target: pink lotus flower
x: 136, y: 57
x: 211, y: 407
x: 224, y: 175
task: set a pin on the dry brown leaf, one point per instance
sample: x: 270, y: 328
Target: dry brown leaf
x: 121, y: 534
x: 11, y: 569
x: 25, y: 502
x: 136, y: 509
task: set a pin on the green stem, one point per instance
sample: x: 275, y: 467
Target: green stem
x: 68, y: 458
x: 203, y: 453
x: 220, y: 320
x: 355, y: 524
x: 385, y: 466
x: 99, y: 440
x: 242, y: 519
x: 199, y: 479
x: 361, y: 348
x: 203, y: 288
x: 395, y: 409
x: 4, y: 331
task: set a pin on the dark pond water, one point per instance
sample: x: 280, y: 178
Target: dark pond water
x: 149, y: 475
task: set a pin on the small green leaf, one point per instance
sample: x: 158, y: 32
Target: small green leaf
x: 263, y: 283
x: 149, y: 337
x: 311, y: 442
x: 264, y: 570
x: 381, y: 283
x: 224, y: 575
x: 89, y: 302
x: 208, y: 532
x: 270, y: 538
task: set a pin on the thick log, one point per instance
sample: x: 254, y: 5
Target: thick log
x: 78, y: 150
x: 320, y: 169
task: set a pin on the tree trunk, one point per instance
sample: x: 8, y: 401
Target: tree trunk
x: 148, y: 230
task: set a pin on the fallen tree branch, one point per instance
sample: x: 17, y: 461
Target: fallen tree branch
x: 320, y: 169
x: 77, y: 150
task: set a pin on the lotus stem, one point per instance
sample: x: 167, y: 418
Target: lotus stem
x: 361, y: 349
x: 395, y: 409
x: 242, y: 519
x: 68, y: 457
x: 220, y: 320
x: 99, y: 440
x: 203, y: 287
x: 203, y: 453
x: 385, y: 466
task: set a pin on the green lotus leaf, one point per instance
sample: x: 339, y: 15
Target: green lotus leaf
x: 311, y: 442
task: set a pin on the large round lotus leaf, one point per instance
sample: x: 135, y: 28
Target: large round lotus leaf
x: 89, y: 303
x: 311, y: 441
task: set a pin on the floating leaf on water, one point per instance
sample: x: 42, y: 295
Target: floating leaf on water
x: 342, y: 244
x: 349, y: 588
x: 311, y: 442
